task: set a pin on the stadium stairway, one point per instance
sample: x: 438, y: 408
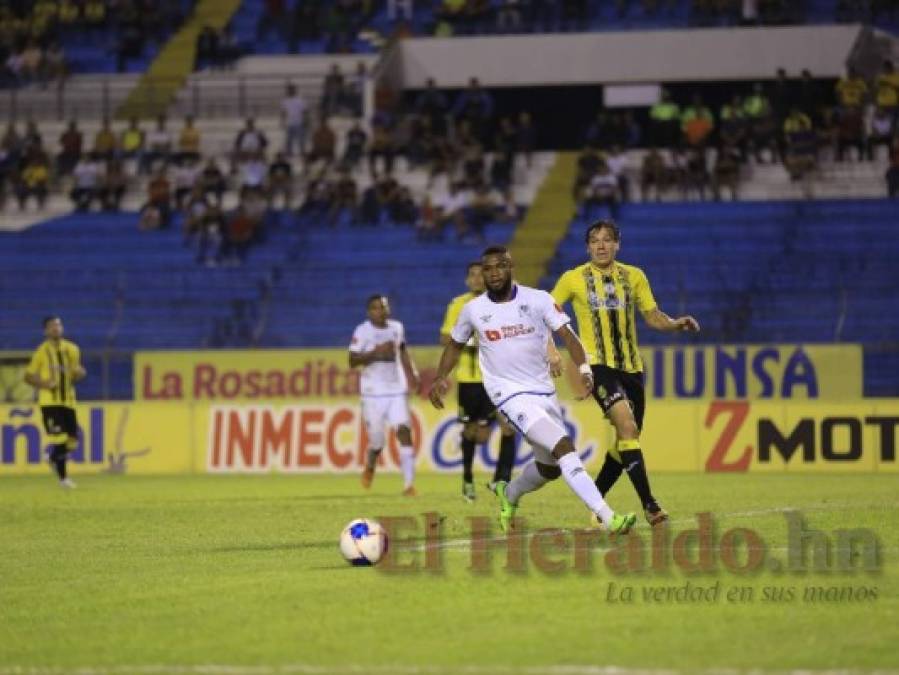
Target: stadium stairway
x: 796, y: 272
x: 170, y: 69
x: 542, y: 229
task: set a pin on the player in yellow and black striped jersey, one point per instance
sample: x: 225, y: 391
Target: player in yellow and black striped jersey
x: 54, y: 369
x: 604, y: 295
x: 476, y: 410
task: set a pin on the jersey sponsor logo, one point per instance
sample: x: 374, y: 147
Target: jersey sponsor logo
x: 506, y: 332
x: 524, y: 310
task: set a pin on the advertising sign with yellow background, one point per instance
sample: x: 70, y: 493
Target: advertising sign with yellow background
x: 328, y: 436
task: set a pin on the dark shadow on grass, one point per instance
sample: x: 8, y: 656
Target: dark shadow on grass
x: 281, y: 546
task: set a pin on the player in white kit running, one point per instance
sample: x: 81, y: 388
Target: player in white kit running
x: 513, y: 324
x: 379, y: 346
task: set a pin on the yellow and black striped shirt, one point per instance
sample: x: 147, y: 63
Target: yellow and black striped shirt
x: 56, y: 361
x: 603, y: 304
x: 468, y: 369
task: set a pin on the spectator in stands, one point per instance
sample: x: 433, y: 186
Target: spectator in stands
x: 34, y: 181
x: 240, y: 229
x: 734, y: 131
x: 253, y: 172
x: 339, y: 28
x: 665, y: 122
x: 345, y: 199
x: 588, y: 166
x: 451, y: 17
x: 159, y: 197
x: 827, y: 133
x: 114, y: 183
x: 158, y: 147
x: 527, y: 136
x: 324, y: 143
x: 86, y: 182
x: 32, y: 141
x: 55, y: 68
x: 782, y: 97
x: 207, y: 48
x: 353, y: 96
x: 509, y: 16
x: 851, y: 91
x: 426, y: 225
x: 280, y: 181
x: 851, y: 133
x: 475, y: 106
x: 602, y: 191
x: 403, y: 210
x: 273, y: 17
x: 105, y: 144
x: 481, y: 212
x: 892, y: 174
x: 332, y: 91
x: 881, y: 133
x: 212, y: 181
x: 130, y: 43
x: 249, y: 142
x: 356, y: 140
x: 432, y: 105
x: 451, y: 209
x: 189, y: 141
x: 31, y: 61
x: 697, y: 123
x: 184, y: 177
x: 195, y: 209
x: 473, y: 164
x: 727, y: 171
x: 293, y: 119
x: 616, y: 160
x: 70, y: 143
x: 886, y: 94
x: 228, y: 48
x: 304, y: 24
x: 801, y: 145
x: 132, y: 142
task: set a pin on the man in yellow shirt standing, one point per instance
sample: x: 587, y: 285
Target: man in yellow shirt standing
x: 54, y: 370
x: 476, y: 410
x: 604, y: 294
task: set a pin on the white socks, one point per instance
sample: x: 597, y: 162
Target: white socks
x: 407, y: 462
x: 582, y: 485
x: 528, y: 480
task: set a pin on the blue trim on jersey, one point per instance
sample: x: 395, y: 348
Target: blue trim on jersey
x: 533, y: 393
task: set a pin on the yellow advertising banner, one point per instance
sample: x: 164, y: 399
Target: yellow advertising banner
x: 769, y: 372
x: 325, y: 436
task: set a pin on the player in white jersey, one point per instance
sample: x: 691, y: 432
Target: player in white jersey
x: 513, y: 324
x: 379, y: 346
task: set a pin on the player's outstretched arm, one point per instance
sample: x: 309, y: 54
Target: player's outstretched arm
x: 448, y: 361
x: 578, y: 355
x: 556, y: 368
x: 409, y: 368
x: 657, y: 319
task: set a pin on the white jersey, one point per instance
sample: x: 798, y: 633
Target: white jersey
x: 512, y: 338
x: 381, y: 378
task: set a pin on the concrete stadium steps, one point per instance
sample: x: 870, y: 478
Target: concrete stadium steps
x: 82, y: 97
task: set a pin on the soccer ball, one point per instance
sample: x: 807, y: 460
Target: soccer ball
x: 363, y: 542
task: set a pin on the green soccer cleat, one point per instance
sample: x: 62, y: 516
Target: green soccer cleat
x: 622, y: 524
x: 468, y: 493
x: 506, y: 508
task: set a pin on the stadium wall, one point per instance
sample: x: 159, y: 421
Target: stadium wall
x: 784, y: 408
x: 628, y: 57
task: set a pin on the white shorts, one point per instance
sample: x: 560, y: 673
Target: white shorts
x: 379, y: 412
x: 539, y: 419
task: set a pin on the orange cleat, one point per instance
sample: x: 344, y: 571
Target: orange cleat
x: 410, y: 491
x: 368, y: 476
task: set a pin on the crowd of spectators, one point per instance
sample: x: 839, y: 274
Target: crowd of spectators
x: 697, y: 152
x: 32, y: 32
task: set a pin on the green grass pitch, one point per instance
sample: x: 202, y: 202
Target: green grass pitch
x: 242, y: 574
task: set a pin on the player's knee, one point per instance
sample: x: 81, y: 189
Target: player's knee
x: 470, y: 431
x: 548, y: 471
x: 482, y: 434
x: 404, y: 435
x: 628, y: 430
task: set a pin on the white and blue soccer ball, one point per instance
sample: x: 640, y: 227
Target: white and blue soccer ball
x: 363, y: 542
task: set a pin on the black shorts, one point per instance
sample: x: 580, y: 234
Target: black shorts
x: 611, y: 385
x: 474, y: 404
x: 60, y: 419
